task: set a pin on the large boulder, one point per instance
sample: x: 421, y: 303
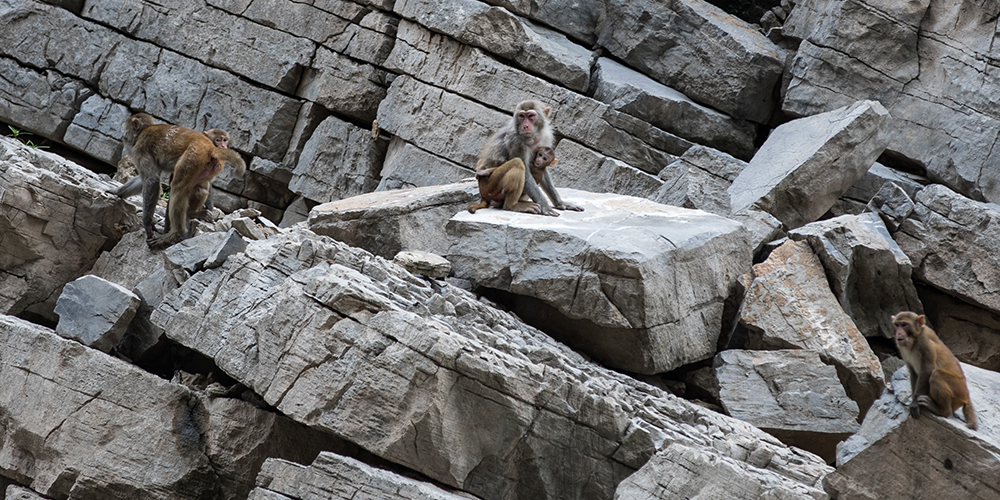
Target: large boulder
x: 806, y: 164
x: 634, y: 284
x: 95, y: 312
x: 55, y: 218
x: 427, y: 376
x: 788, y: 303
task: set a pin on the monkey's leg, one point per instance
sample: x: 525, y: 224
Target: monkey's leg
x: 476, y: 206
x: 512, y: 181
x: 200, y: 197
x: 940, y: 397
x: 557, y: 202
x: 177, y: 208
x: 150, y: 194
x: 970, y: 415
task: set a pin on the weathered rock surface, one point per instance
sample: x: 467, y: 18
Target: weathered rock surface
x: 55, y: 217
x: 806, y: 164
x: 15, y: 492
x: 671, y: 40
x: 892, y: 204
x: 789, y: 304
x: 387, y: 222
x: 790, y: 394
x: 95, y: 312
x: 437, y: 381
x: 868, y: 272
x: 895, y: 455
x: 641, y: 285
x: 80, y: 424
x: 341, y: 160
x: 423, y: 263
x: 950, y: 240
x: 336, y: 477
x: 971, y: 333
x: 700, y: 179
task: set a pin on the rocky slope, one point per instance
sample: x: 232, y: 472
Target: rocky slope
x: 759, y: 199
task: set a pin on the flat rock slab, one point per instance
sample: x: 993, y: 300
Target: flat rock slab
x: 641, y: 284
x: 789, y: 393
x: 807, y: 164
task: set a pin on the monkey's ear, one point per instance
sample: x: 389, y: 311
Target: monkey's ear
x: 893, y: 318
x: 137, y: 124
x: 206, y: 134
x: 546, y: 110
x: 920, y: 320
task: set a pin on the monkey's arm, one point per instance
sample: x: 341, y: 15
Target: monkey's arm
x: 550, y: 189
x: 531, y: 188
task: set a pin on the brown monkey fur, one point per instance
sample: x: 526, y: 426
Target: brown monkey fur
x: 529, y: 129
x: 492, y: 182
x: 220, y: 138
x: 936, y: 379
x: 192, y: 158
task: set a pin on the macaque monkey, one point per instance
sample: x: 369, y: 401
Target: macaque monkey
x: 192, y: 158
x: 491, y: 188
x: 220, y: 138
x: 544, y: 158
x: 530, y: 129
x: 936, y: 379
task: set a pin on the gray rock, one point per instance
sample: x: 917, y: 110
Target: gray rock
x: 680, y: 471
x: 387, y: 222
x: 248, y: 228
x: 696, y: 48
x: 580, y: 167
x: 346, y: 342
x: 423, y: 263
x: 789, y: 305
x: 43, y: 102
x: 269, y: 56
x: 97, y: 427
x: 339, y: 161
x: 868, y: 272
x: 949, y: 238
x: 576, y: 18
x: 190, y: 255
x: 407, y: 166
x: 971, y: 333
x: 536, y: 48
x: 336, y: 477
x: 634, y: 93
x: 55, y: 217
x: 699, y: 180
x: 97, y: 129
x: 790, y: 394
x: 15, y: 492
x: 297, y: 212
x: 763, y: 227
x: 343, y: 85
x: 873, y: 181
x: 806, y: 164
x: 95, y: 312
x: 927, y: 458
x: 231, y: 244
x: 614, y: 281
x: 474, y: 75
x: 892, y: 204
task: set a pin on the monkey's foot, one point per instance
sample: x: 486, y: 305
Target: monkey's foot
x: 915, y: 410
x: 205, y: 216
x: 161, y: 242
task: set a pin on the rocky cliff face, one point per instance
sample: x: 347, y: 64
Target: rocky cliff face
x: 759, y: 199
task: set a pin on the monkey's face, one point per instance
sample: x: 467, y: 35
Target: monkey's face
x: 543, y: 156
x: 906, y: 328
x: 221, y: 142
x: 526, y: 122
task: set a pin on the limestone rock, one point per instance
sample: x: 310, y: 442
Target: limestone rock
x: 789, y: 304
x: 700, y: 179
x: 97, y: 128
x: 81, y: 424
x: 673, y: 40
x: 407, y: 166
x: 342, y: 84
x: 580, y: 167
x: 95, y: 312
x: 339, y: 161
x: 423, y: 263
x: 971, y: 333
x: 868, y: 272
x: 639, y: 286
x: 897, y: 456
x: 43, y: 101
x: 949, y: 238
x: 336, y: 477
x: 346, y: 342
x: 634, y: 93
x: 387, y: 222
x: 232, y: 243
x: 806, y: 164
x: 55, y: 217
x: 15, y: 492
x: 790, y: 394
x: 892, y: 204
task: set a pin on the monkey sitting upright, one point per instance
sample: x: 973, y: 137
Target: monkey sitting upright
x: 194, y: 161
x: 936, y: 378
x: 494, y: 189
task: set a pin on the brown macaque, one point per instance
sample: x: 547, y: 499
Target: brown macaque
x: 544, y: 158
x: 192, y: 158
x: 936, y: 379
x: 529, y: 129
x: 218, y: 137
x: 503, y: 186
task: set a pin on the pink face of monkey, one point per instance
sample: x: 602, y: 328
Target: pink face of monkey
x: 526, y: 122
x: 544, y: 157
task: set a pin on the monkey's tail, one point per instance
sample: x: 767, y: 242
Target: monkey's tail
x: 970, y: 416
x: 232, y: 157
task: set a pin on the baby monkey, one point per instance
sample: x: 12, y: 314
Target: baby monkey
x: 496, y: 184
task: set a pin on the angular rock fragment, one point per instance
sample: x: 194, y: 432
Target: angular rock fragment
x: 339, y: 161
x: 789, y: 393
x: 423, y: 263
x: 387, y: 222
x: 634, y: 284
x: 336, y: 477
x: 868, y: 272
x: 897, y: 456
x: 806, y: 164
x: 348, y: 343
x: 95, y: 312
x: 699, y: 180
x: 407, y: 166
x: 951, y: 241
x: 892, y: 204
x: 15, y: 492
x: 789, y: 305
x: 232, y: 243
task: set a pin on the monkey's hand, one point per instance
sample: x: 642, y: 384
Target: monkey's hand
x: 569, y: 206
x: 548, y: 211
x: 915, y: 408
